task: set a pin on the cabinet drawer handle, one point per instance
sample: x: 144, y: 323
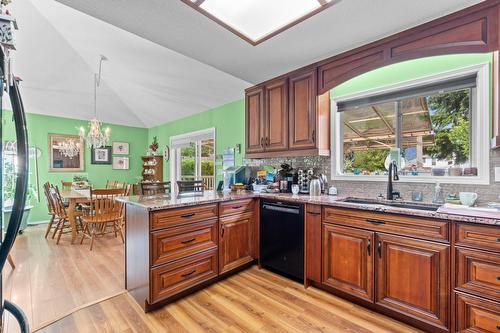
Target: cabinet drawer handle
x: 314, y: 213
x: 188, y: 215
x: 222, y: 231
x: 314, y: 136
x: 262, y: 142
x: 379, y: 249
x: 375, y: 221
x: 498, y: 240
x: 187, y: 274
x: 369, y: 247
x: 188, y: 240
x: 498, y: 327
x: 237, y: 207
x: 498, y: 278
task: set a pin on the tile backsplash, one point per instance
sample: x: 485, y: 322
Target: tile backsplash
x: 321, y: 164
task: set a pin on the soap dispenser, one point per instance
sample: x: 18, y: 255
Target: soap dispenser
x: 438, y: 195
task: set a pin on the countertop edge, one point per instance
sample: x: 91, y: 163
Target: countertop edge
x: 321, y: 200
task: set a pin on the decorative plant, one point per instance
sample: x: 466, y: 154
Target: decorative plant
x: 154, y: 145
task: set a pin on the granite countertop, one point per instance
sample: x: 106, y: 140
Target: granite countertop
x: 160, y: 202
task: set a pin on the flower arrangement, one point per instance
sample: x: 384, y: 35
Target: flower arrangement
x: 154, y: 145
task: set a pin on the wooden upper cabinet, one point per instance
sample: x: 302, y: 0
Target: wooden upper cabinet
x: 276, y: 115
x: 235, y: 241
x: 254, y: 120
x: 285, y: 117
x: 348, y: 260
x: 413, y: 278
x: 302, y: 110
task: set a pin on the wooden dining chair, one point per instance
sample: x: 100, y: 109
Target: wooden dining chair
x: 120, y: 185
x: 104, y: 210
x: 63, y: 226
x: 66, y: 185
x: 155, y: 188
x: 190, y: 186
x: 110, y: 184
x: 50, y: 208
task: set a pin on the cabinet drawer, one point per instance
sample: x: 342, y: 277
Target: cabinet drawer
x: 476, y: 315
x: 170, y: 279
x: 478, y: 236
x: 177, y: 242
x: 420, y: 227
x: 171, y: 217
x: 478, y: 272
x: 234, y: 207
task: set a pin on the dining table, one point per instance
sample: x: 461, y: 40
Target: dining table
x: 74, y: 197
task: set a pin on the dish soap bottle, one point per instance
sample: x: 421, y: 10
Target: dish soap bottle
x: 438, y: 195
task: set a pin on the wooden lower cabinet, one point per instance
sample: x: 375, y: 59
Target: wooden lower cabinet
x: 476, y: 315
x: 348, y: 260
x: 413, y: 278
x: 235, y: 241
x: 170, y: 279
x: 478, y: 272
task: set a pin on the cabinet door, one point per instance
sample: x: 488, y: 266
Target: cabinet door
x: 276, y: 113
x: 348, y: 260
x: 413, y: 278
x: 476, y: 315
x: 235, y: 241
x: 254, y: 120
x: 302, y: 110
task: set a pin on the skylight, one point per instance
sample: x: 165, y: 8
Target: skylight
x: 258, y: 20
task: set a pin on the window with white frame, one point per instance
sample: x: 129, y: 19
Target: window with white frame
x: 193, y: 157
x: 436, y: 127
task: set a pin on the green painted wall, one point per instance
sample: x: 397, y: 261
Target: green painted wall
x: 39, y: 126
x: 229, y: 123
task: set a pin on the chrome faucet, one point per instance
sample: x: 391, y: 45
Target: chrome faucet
x: 393, y: 175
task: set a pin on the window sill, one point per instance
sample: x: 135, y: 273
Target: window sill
x: 417, y: 179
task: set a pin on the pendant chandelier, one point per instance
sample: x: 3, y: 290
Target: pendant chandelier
x: 96, y: 136
x: 69, y: 148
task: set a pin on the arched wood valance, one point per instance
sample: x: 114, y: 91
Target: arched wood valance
x: 472, y: 30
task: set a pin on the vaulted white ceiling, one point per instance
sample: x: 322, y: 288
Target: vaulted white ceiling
x: 168, y: 61
x: 143, y: 84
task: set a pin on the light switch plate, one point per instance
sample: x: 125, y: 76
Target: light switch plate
x: 497, y: 174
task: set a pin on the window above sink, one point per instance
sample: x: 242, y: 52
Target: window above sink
x: 436, y: 126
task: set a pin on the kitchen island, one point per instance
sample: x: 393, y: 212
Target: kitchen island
x: 431, y: 269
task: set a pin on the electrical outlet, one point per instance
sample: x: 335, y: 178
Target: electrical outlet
x: 497, y: 174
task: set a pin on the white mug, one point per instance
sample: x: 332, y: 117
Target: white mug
x: 468, y: 198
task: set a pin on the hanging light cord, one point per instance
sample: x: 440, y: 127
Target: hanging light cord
x: 97, y: 82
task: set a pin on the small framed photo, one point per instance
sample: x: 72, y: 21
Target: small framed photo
x: 120, y: 148
x: 101, y: 155
x: 120, y: 163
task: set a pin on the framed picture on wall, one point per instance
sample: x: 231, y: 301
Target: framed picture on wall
x: 120, y: 163
x: 66, y: 153
x: 120, y: 148
x: 101, y: 155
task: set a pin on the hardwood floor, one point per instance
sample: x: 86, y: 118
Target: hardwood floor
x: 251, y: 301
x: 50, y: 280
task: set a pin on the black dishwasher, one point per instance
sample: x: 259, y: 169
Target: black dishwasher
x: 282, y: 238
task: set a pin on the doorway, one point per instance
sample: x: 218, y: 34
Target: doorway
x: 193, y: 157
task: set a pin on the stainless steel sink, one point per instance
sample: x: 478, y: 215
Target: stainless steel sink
x: 398, y: 204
